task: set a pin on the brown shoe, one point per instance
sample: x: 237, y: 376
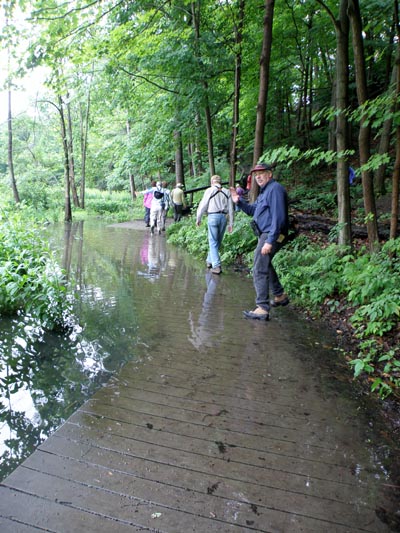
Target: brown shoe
x: 216, y: 270
x: 282, y: 299
x: 257, y: 314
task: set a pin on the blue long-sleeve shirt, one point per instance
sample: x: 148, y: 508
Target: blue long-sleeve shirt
x: 269, y: 211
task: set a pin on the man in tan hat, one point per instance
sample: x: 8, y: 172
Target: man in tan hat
x: 270, y: 224
x: 217, y: 204
x: 178, y: 201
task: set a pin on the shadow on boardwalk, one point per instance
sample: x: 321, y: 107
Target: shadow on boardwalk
x: 217, y: 424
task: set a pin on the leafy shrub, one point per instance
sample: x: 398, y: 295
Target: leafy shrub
x: 115, y: 206
x: 30, y: 280
x: 368, y: 283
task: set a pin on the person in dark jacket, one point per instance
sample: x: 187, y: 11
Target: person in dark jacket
x: 270, y: 223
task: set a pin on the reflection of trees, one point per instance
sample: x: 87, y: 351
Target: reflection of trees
x: 44, y: 377
x: 73, y: 234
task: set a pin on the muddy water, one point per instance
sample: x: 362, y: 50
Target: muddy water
x: 133, y: 290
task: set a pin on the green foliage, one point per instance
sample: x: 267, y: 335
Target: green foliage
x: 30, y: 280
x: 368, y: 283
x: 115, y: 206
x: 187, y: 235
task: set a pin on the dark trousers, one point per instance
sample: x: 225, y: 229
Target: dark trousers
x: 265, y: 277
x: 147, y: 215
x: 178, y: 212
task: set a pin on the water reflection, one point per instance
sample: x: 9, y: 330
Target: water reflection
x: 153, y: 257
x: 44, y: 377
x: 211, y: 317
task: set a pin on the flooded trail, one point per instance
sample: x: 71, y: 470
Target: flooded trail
x: 211, y: 423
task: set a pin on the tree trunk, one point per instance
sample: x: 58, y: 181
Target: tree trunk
x: 342, y: 84
x: 132, y: 186
x: 71, y: 158
x: 207, y: 112
x: 236, y: 98
x: 264, y: 81
x: 180, y: 177
x: 10, y: 152
x: 364, y: 138
x: 384, y: 142
x: 210, y: 142
x: 263, y: 91
x: 67, y: 187
x: 396, y: 171
x: 84, y: 144
x: 130, y: 174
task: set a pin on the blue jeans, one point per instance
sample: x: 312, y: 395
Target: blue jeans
x: 264, y: 274
x: 216, y: 229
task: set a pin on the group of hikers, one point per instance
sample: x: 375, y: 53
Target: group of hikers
x: 157, y: 199
x: 270, y: 224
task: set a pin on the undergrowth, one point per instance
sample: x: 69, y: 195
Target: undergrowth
x: 31, y: 283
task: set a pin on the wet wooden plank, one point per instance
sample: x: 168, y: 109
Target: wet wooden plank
x: 209, y: 429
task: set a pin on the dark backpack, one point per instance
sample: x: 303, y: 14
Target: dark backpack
x: 158, y: 194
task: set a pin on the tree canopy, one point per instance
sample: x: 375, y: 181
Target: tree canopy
x: 132, y: 79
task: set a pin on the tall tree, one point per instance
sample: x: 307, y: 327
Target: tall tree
x: 207, y: 110
x: 236, y: 97
x: 396, y: 171
x: 8, y: 35
x: 264, y: 79
x: 71, y: 157
x: 364, y: 137
x: 341, y: 24
x: 179, y: 172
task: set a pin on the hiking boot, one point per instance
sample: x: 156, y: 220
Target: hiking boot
x: 209, y: 265
x: 282, y: 299
x: 216, y: 270
x: 257, y: 314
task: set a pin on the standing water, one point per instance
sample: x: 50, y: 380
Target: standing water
x: 139, y: 301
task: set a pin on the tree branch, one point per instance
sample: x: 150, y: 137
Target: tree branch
x: 133, y: 75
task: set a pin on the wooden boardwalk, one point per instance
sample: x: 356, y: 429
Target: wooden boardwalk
x: 218, y: 425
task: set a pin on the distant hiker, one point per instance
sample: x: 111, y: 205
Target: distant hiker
x: 241, y: 192
x: 157, y: 207
x: 270, y: 224
x: 178, y: 201
x: 217, y: 204
x: 167, y: 204
x: 147, y: 198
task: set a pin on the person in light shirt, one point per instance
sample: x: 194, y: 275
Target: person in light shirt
x: 217, y: 205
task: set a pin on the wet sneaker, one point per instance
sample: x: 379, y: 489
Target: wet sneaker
x: 282, y: 299
x: 257, y: 314
x: 216, y: 270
